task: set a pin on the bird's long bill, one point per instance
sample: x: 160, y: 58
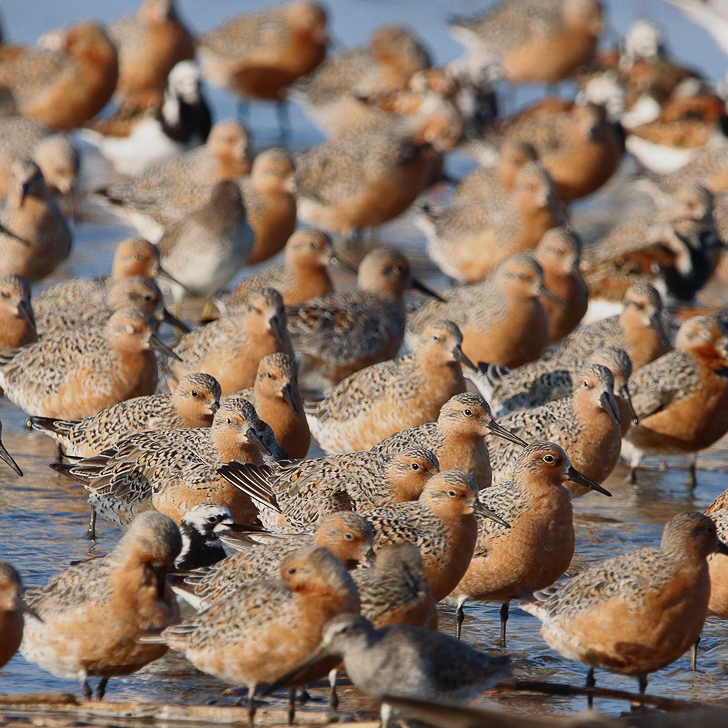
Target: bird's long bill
x: 656, y: 321
x: 288, y: 392
x: 460, y: 356
x: 721, y: 548
x: 8, y: 458
x: 318, y: 664
x: 169, y: 318
x: 546, y: 293
x: 581, y: 479
x: 481, y: 510
x: 162, y: 348
x: 22, y: 606
x: 608, y: 404
x: 166, y: 274
x: 627, y: 397
x: 254, y: 437
x: 505, y: 433
x: 418, y: 285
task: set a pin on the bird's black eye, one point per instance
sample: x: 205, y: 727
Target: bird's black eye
x: 548, y: 458
x: 194, y: 393
x: 348, y: 537
x: 229, y: 421
x: 436, y: 338
x: 415, y: 466
x: 452, y: 493
x: 292, y: 570
x: 468, y: 412
x: 5, y: 294
x: 148, y: 297
x: 269, y: 375
x: 211, y: 519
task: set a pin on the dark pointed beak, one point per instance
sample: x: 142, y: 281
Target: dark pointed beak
x: 460, y: 356
x: 627, y: 397
x: 224, y: 526
x: 254, y: 437
x: 607, y: 404
x: 8, y: 458
x: 22, y: 606
x: 501, y: 431
x: 656, y: 321
x: 577, y: 477
x: 418, y: 285
x: 162, y: 348
x: 166, y: 274
x: 288, y: 392
x: 721, y: 548
x: 169, y: 318
x: 275, y: 324
x: 370, y: 556
x: 338, y: 262
x: 546, y: 293
x: 11, y: 234
x: 484, y: 512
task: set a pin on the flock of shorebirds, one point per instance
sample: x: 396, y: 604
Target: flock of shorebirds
x: 422, y: 494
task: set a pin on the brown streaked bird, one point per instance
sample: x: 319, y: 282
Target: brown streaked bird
x: 707, y: 167
x: 17, y: 320
x: 479, y: 183
x: 94, y: 612
x: 362, y: 179
x: 231, y: 348
x: 395, y: 589
x: 341, y: 333
x: 301, y: 276
x: 270, y: 200
x: 132, y: 257
x: 502, y: 319
x: 149, y: 43
x: 53, y: 153
x: 664, y: 589
x: 74, y: 374
x: 34, y: 235
x: 576, y: 144
x: 277, y: 400
x: 346, y: 535
x: 681, y: 398
x: 259, y: 55
x: 65, y: 83
x: 130, y: 292
x: 385, y: 398
x: 172, y: 470
x: 233, y: 638
x: 638, y: 330
x: 192, y: 404
x: 173, y: 187
x: 559, y: 253
x: 333, y: 96
x: 456, y: 438
x: 297, y: 494
x: 538, y: 382
x: 586, y: 425
x: 677, y: 249
x: 12, y: 608
x: 206, y: 248
x: 442, y: 524
x: 537, y: 548
x: 535, y: 40
x: 470, y: 238
x: 401, y: 661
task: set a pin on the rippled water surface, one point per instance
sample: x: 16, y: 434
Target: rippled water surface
x: 42, y: 516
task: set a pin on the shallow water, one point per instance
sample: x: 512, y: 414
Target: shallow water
x: 42, y: 516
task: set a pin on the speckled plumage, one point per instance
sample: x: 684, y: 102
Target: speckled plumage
x: 387, y: 397
x: 172, y: 470
x: 170, y: 189
x: 586, y: 425
x: 664, y: 590
x: 74, y: 374
x: 347, y: 535
x: 94, y: 611
x: 193, y: 404
x: 302, y: 490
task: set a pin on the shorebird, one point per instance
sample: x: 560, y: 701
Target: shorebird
x: 201, y: 528
x: 385, y: 398
x: 92, y: 614
x: 664, y: 589
x: 538, y: 546
x: 192, y: 404
x: 12, y: 609
x: 17, y: 320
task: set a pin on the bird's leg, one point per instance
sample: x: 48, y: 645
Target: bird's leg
x: 291, y: 705
x: 101, y: 688
x: 333, y: 697
x: 91, y: 530
x: 694, y: 655
x: 503, y: 620
x: 590, y: 683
